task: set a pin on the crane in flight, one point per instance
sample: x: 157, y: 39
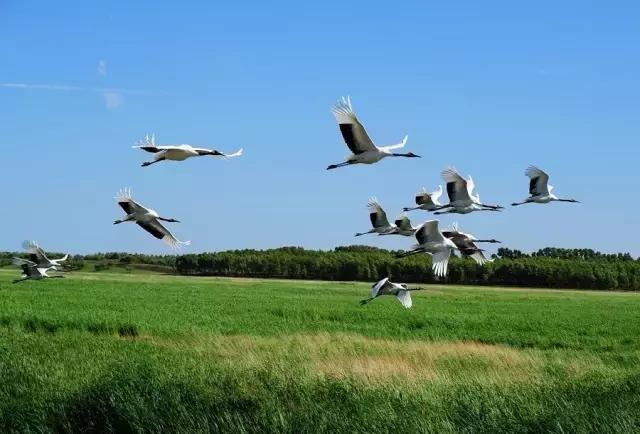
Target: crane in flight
x: 177, y: 152
x: 434, y: 243
x: 466, y: 244
x: 379, y: 221
x: 426, y: 201
x: 386, y: 287
x: 147, y: 218
x: 31, y: 271
x: 462, y: 198
x: 39, y: 257
x: 539, y: 188
x: 363, y: 150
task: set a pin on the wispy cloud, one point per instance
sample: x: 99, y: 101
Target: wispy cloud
x: 39, y: 86
x: 128, y: 91
x: 112, y: 100
x: 64, y: 87
x: 102, y: 67
x: 113, y: 97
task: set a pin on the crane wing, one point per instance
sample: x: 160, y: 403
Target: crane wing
x: 405, y: 298
x: 238, y: 153
x: 126, y: 202
x: 423, y: 197
x: 37, y: 255
x: 377, y: 215
x: 353, y: 132
x: 440, y: 262
x: 155, y: 228
x: 376, y: 287
x: 538, y: 181
x: 19, y: 262
x: 149, y: 144
x: 479, y: 257
x: 457, y: 189
x: 403, y: 223
x: 436, y: 195
x: 428, y: 232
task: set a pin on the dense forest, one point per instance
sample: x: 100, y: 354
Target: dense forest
x: 545, y: 268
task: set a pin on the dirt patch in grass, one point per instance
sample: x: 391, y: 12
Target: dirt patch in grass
x: 371, y: 359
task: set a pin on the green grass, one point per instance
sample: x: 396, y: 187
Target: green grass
x: 145, y: 352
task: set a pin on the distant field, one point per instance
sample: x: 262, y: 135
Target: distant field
x: 136, y: 352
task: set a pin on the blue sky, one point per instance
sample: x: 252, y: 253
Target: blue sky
x: 489, y: 87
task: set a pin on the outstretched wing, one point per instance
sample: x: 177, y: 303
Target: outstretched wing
x: 403, y: 223
x: 376, y: 287
x: 148, y: 144
x: 238, y: 153
x: 36, y: 253
x: 538, y: 181
x: 19, y: 262
x: 429, y: 232
x: 479, y: 257
x: 353, y: 132
x: 160, y: 232
x: 126, y: 202
x: 457, y: 189
x: 377, y: 215
x: 435, y: 196
x: 440, y: 262
x: 216, y: 153
x: 405, y: 298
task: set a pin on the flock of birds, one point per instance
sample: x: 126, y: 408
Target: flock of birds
x: 439, y: 244
x: 463, y: 199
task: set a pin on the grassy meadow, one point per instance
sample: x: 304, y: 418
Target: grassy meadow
x: 144, y: 352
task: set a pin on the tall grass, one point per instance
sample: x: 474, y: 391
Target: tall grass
x: 149, y: 353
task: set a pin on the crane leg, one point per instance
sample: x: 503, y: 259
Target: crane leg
x: 149, y: 163
x: 335, y: 166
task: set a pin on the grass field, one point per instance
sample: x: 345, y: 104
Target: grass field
x: 100, y: 352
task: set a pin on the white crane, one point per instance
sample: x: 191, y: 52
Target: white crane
x: 386, y: 287
x: 147, y: 219
x: 431, y: 241
x: 427, y: 201
x: 177, y: 152
x: 37, y: 255
x: 379, y: 221
x: 403, y: 226
x: 30, y: 270
x: 539, y: 188
x: 364, y: 151
x: 462, y: 199
x: 466, y: 244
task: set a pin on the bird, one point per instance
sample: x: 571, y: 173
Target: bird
x: 379, y: 221
x: 364, y: 151
x: 386, y: 287
x: 431, y: 241
x: 177, y: 152
x: 427, y: 201
x: 539, y: 188
x: 402, y: 226
x: 466, y: 244
x: 462, y: 199
x: 147, y: 219
x: 37, y: 255
x: 30, y: 270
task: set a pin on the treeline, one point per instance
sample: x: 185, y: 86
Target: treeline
x: 542, y: 269
x: 547, y: 268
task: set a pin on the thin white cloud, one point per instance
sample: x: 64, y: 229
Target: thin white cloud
x: 63, y: 87
x: 102, y: 67
x: 39, y: 86
x: 112, y: 100
x: 127, y: 91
